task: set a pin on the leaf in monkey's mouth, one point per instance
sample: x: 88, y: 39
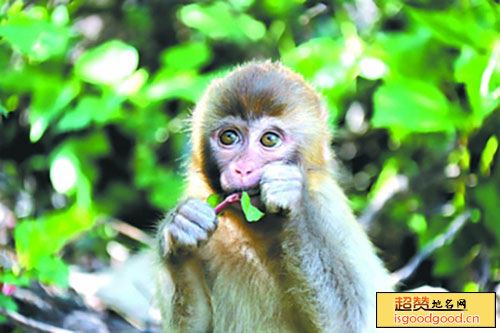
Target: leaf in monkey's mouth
x: 251, y: 213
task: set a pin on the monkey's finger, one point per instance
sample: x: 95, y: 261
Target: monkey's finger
x: 204, y: 209
x: 204, y: 219
x: 282, y: 172
x: 201, y: 207
x: 182, y: 239
x: 277, y: 187
x: 190, y: 227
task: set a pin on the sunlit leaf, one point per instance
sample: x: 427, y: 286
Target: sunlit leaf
x: 166, y: 189
x: 15, y: 8
x: 132, y: 84
x: 241, y: 4
x: 214, y: 199
x: 388, y: 172
x: 107, y: 63
x: 488, y: 154
x: 252, y: 213
x: 187, y: 86
x: 60, y: 16
x: 418, y: 223
x: 63, y: 174
x: 46, y: 236
x: 187, y: 56
x: 455, y: 27
x: 89, y: 109
x: 322, y: 62
x: 37, y: 39
x: 471, y: 287
x: 49, y: 101
x: 53, y: 270
x: 413, y: 106
x: 7, y: 303
x: 469, y: 68
x: 281, y: 7
x: 3, y: 110
x: 80, y: 152
x: 219, y: 21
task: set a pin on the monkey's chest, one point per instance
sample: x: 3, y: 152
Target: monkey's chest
x: 245, y: 283
x: 247, y: 298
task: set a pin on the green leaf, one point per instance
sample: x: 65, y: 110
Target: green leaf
x: 418, y: 223
x: 37, y: 39
x: 52, y: 270
x: 281, y: 7
x: 447, y: 261
x: 320, y: 61
x: 488, y: 197
x: 488, y: 154
x: 252, y: 213
x: 219, y: 21
x: 456, y: 27
x: 185, y: 85
x: 49, y: 100
x: 388, y: 172
x: 108, y: 63
x: 60, y: 16
x: 213, y: 200
x: 46, y: 236
x: 77, y: 118
x: 241, y: 5
x: 412, y: 105
x: 469, y: 68
x: 7, y: 303
x: 413, y: 54
x: 9, y: 277
x: 89, y: 109
x: 3, y: 110
x: 187, y: 56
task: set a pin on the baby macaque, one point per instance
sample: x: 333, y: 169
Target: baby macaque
x: 306, y: 266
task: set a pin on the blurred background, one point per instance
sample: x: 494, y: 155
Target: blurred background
x: 94, y: 102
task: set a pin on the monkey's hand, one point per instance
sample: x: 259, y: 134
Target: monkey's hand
x: 281, y: 187
x: 186, y: 228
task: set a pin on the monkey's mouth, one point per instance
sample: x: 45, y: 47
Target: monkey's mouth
x: 252, y: 191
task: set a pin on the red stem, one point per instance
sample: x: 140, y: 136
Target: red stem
x: 235, y: 197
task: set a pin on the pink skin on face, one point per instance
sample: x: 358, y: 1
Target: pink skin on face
x: 242, y: 162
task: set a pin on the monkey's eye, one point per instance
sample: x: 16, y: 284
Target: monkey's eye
x: 229, y: 137
x: 270, y: 139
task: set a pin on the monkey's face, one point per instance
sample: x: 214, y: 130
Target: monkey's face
x: 243, y: 148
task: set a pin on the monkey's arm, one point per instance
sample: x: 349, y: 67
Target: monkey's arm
x: 184, y: 300
x: 322, y: 239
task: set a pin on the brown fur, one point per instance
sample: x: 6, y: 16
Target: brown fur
x: 312, y: 272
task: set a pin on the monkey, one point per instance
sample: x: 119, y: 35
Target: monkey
x: 306, y: 266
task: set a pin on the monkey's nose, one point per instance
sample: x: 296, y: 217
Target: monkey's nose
x: 243, y: 171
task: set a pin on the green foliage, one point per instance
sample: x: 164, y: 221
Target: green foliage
x: 93, y: 115
x: 219, y: 21
x: 213, y: 200
x: 38, y: 242
x: 35, y: 34
x: 413, y: 106
x: 108, y: 63
x: 6, y: 303
x: 252, y: 213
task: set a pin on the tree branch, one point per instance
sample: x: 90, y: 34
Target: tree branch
x: 406, y: 271
x: 31, y: 323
